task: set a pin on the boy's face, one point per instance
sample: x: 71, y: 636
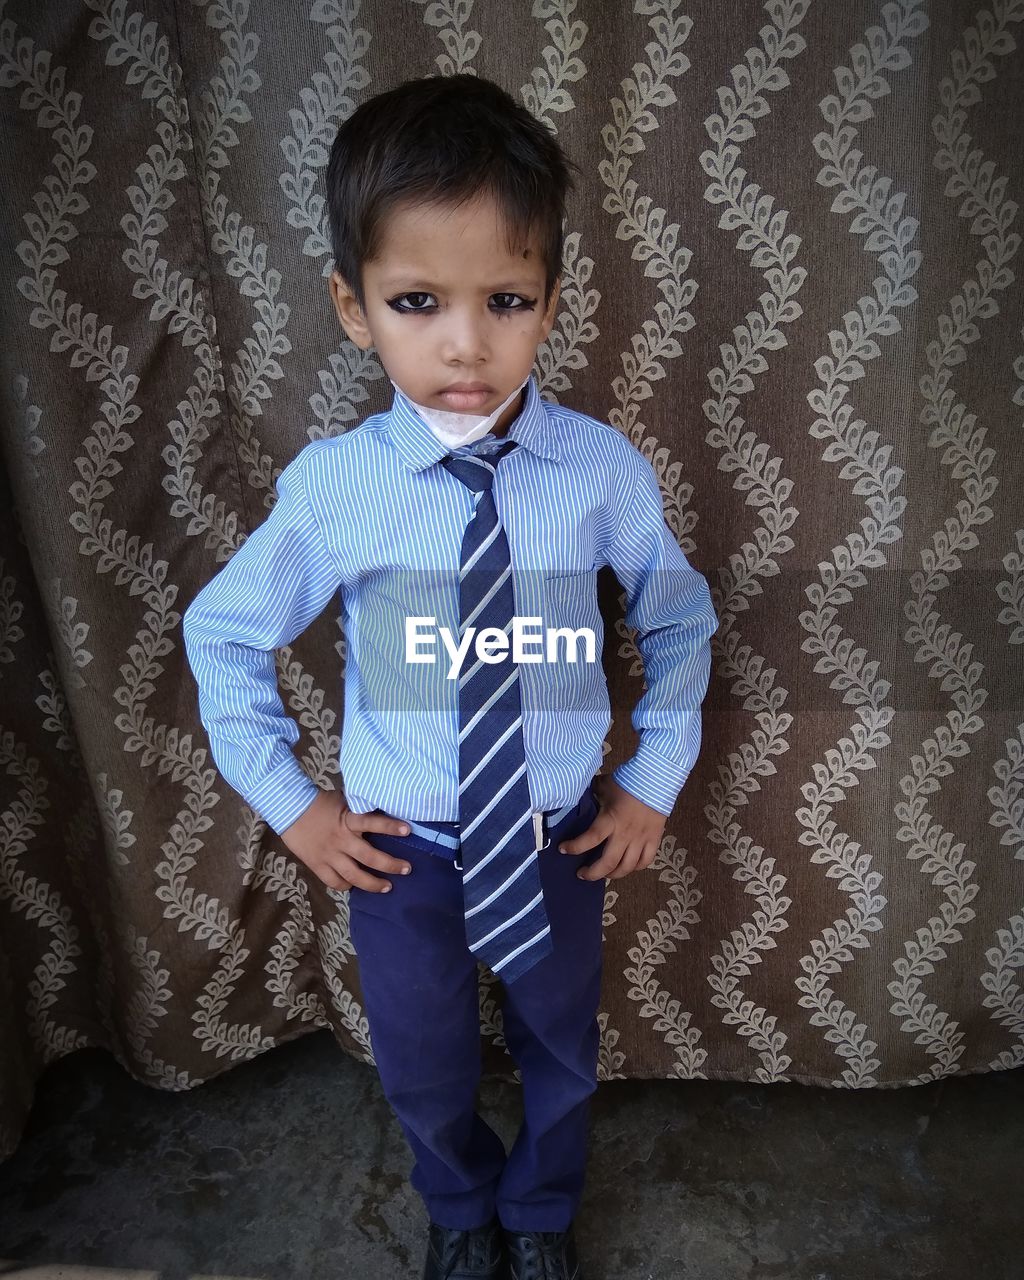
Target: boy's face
x: 446, y: 303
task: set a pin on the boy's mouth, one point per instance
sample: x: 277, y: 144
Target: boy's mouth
x: 466, y: 396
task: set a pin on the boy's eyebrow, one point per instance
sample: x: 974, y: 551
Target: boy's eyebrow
x: 411, y: 281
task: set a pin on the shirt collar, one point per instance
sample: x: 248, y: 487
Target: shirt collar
x: 419, y: 448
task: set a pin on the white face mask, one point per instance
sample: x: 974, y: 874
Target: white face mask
x: 457, y: 429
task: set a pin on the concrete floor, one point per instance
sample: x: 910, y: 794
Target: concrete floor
x: 292, y: 1167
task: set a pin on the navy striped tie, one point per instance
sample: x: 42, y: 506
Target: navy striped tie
x: 506, y: 924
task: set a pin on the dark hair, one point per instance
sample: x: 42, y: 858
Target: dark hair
x: 444, y: 139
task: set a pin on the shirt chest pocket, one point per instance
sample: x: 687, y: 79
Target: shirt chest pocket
x: 570, y: 599
x: 572, y: 660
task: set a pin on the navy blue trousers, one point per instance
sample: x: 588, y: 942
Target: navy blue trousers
x: 421, y: 999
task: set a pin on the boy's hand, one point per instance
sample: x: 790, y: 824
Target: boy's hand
x: 327, y: 839
x: 633, y: 831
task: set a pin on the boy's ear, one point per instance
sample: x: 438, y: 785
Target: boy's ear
x: 350, y: 314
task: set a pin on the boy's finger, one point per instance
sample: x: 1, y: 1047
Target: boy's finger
x: 334, y: 880
x: 363, y: 854
x: 649, y: 855
x: 360, y: 878
x: 376, y: 822
x: 594, y: 834
x: 607, y: 862
x: 629, y: 862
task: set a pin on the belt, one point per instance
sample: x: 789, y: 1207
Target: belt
x: 446, y: 834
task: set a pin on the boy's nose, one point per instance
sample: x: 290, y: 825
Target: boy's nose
x: 464, y: 340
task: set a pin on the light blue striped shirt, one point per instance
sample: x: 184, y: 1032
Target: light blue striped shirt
x: 369, y: 520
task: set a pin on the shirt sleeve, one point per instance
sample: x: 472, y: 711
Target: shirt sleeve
x: 670, y: 609
x: 271, y: 589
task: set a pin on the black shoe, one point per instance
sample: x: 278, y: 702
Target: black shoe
x: 542, y: 1255
x: 478, y: 1254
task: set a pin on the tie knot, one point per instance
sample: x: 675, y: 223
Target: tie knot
x: 477, y: 473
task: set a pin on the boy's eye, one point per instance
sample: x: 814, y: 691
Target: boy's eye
x: 505, y: 303
x: 415, y: 307
x: 510, y: 300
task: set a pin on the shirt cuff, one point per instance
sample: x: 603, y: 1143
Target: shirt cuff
x: 284, y: 795
x: 653, y: 778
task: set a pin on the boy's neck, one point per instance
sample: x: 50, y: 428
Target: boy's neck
x: 500, y: 428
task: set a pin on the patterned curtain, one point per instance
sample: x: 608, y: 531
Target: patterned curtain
x: 791, y: 279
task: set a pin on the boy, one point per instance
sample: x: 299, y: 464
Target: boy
x: 475, y: 508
